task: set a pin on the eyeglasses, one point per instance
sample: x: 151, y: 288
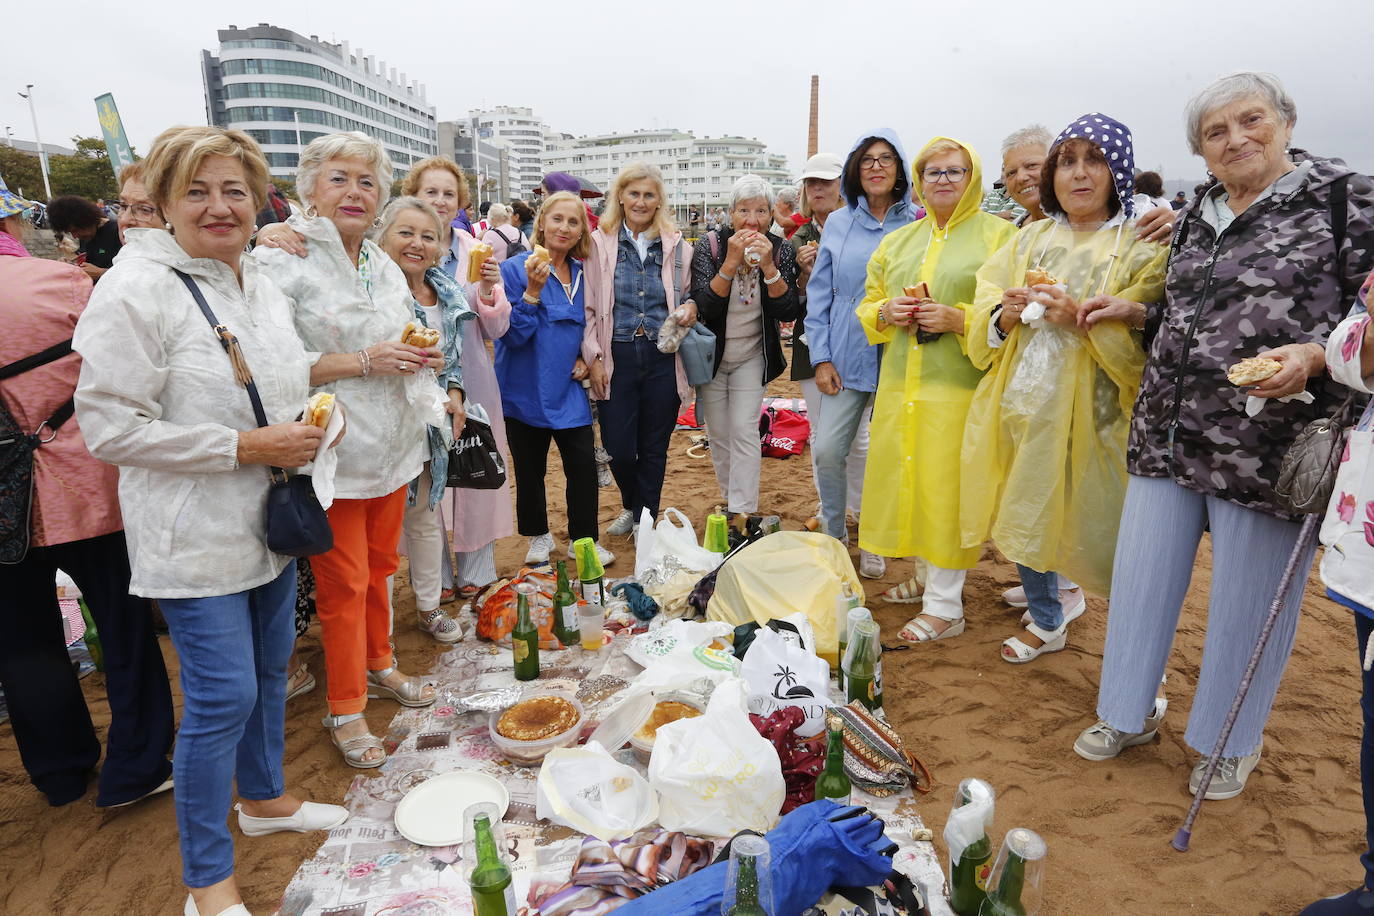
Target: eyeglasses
x: 141, y: 212
x: 953, y: 176
x: 877, y: 162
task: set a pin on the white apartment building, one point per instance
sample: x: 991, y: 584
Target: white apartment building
x: 696, y: 171
x: 522, y: 133
x: 284, y: 90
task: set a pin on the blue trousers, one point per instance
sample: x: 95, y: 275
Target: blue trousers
x: 839, y: 419
x: 1161, y: 526
x: 234, y: 651
x: 637, y: 422
x: 1042, y: 595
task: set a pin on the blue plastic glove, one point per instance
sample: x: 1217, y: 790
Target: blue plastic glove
x: 813, y: 848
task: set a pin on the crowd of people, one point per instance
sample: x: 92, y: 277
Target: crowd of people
x: 1049, y: 378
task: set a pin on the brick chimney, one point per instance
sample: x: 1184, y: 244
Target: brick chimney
x: 812, y: 138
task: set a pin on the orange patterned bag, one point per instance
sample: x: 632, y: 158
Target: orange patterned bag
x: 496, y: 608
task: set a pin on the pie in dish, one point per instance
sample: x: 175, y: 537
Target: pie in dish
x: 1252, y: 371
x: 537, y: 719
x: 665, y: 712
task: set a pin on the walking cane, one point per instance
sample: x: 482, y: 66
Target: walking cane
x: 1305, y: 534
x: 603, y: 457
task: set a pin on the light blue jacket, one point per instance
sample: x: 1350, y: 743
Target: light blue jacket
x: 836, y: 288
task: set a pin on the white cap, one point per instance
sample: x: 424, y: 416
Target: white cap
x: 826, y: 166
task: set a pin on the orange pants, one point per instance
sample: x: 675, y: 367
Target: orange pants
x: 352, y: 598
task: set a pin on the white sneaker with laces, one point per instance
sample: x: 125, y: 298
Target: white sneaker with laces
x: 871, y: 566
x: 624, y: 524
x: 602, y: 554
x: 540, y: 548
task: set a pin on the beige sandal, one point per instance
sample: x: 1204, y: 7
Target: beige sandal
x: 908, y: 592
x: 917, y: 630
x: 301, y: 681
x: 410, y: 693
x: 354, y: 749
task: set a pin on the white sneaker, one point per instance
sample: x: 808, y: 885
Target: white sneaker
x: 871, y: 566
x: 602, y: 554
x: 540, y: 548
x: 624, y: 524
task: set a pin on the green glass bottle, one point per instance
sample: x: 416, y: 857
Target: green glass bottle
x: 490, y: 881
x: 524, y: 639
x: 1006, y: 899
x: 968, y: 878
x: 1019, y: 875
x: 92, y: 637
x: 565, y: 623
x: 859, y: 665
x: 833, y: 782
x: 591, y: 574
x: 747, y: 889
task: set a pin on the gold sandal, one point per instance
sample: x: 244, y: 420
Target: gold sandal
x: 354, y: 749
x: 410, y: 693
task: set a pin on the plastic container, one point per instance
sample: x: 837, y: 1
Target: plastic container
x: 620, y: 723
x: 645, y: 749
x: 532, y: 753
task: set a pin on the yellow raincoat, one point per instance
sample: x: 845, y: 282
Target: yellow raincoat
x: 911, y: 485
x: 1044, y: 451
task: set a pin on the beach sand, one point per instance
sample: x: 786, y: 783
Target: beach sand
x: 1293, y: 835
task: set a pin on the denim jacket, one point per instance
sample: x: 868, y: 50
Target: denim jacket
x: 453, y: 311
x: 640, y: 300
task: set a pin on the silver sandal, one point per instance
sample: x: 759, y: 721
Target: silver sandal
x: 439, y: 625
x: 354, y: 749
x: 410, y: 693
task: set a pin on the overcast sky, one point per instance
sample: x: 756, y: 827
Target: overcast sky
x: 975, y: 69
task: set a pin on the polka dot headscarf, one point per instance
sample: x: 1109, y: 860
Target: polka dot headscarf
x: 1114, y: 139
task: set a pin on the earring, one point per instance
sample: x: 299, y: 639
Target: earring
x: 311, y: 212
x: 167, y: 226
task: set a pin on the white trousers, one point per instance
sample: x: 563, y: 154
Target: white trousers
x: 730, y: 404
x: 423, y: 530
x: 944, y: 592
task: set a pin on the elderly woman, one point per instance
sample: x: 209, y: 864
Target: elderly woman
x: 410, y: 234
x: 350, y: 305
x: 1041, y: 476
x: 136, y: 208
x: 158, y: 397
x: 878, y: 201
x: 744, y: 283
x: 73, y: 523
x: 1252, y: 271
x: 540, y: 368
x: 911, y: 486
x: 638, y: 276
x: 505, y: 240
x: 1347, y: 566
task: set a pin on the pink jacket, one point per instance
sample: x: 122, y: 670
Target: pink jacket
x: 600, y: 296
x: 75, y: 496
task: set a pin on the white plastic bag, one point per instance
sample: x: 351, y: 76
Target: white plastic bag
x: 673, y: 536
x: 587, y: 789
x: 715, y: 775
x: 779, y: 672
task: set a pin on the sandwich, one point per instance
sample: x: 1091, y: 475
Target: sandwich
x: 417, y: 335
x: 477, y: 256
x: 920, y: 291
x: 1037, y: 276
x: 1252, y: 371
x: 319, y: 409
x: 540, y: 254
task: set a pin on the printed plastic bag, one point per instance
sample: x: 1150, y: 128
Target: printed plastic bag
x: 474, y: 462
x: 585, y: 788
x: 780, y: 672
x: 783, y: 432
x: 715, y: 775
x: 674, y: 537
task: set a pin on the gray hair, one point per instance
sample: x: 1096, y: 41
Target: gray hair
x: 788, y: 196
x: 498, y: 215
x: 1031, y: 135
x: 750, y: 187
x: 1232, y: 88
x: 351, y: 144
x: 400, y: 205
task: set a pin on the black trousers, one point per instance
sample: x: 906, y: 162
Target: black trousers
x: 529, y: 452
x: 52, y: 726
x: 637, y: 421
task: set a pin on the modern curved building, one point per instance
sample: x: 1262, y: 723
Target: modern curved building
x: 285, y: 90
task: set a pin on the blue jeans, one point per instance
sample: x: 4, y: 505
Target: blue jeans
x: 840, y: 417
x: 1042, y: 594
x: 234, y: 650
x: 637, y: 421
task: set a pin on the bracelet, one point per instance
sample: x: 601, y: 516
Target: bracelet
x: 365, y: 360
x: 724, y: 276
x: 769, y: 281
x: 882, y: 312
x: 528, y: 301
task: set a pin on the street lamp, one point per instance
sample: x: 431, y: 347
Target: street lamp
x: 42, y: 153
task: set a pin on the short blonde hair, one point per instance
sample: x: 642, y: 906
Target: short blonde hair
x: 400, y: 205
x: 611, y: 220
x: 930, y: 152
x: 177, y: 155
x: 132, y: 172
x: 411, y: 185
x: 582, y: 248
x: 352, y: 144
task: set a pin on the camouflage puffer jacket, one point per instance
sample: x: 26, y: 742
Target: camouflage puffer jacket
x: 1272, y: 278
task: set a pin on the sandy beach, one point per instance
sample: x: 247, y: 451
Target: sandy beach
x: 1293, y: 835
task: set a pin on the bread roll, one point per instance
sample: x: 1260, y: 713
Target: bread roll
x: 417, y: 335
x: 319, y: 409
x: 477, y: 256
x: 1037, y: 276
x: 1252, y: 371
x: 919, y: 291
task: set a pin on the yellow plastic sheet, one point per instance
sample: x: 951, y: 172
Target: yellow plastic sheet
x: 1044, y: 449
x: 911, y: 485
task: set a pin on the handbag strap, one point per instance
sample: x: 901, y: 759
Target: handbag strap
x: 42, y: 358
x: 242, y: 374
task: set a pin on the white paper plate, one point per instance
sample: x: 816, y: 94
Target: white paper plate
x: 431, y: 814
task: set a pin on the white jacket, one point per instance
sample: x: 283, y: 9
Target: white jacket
x: 1347, y: 531
x: 157, y: 397
x: 385, y: 446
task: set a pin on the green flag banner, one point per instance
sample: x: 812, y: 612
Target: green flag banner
x: 116, y: 143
